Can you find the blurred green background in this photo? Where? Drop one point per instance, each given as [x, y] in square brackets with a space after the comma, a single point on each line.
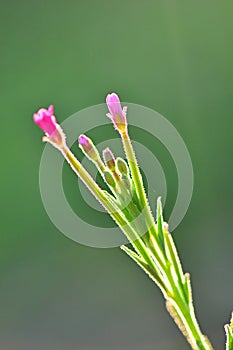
[173, 56]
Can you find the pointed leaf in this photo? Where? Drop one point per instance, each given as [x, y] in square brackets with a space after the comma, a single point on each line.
[159, 218]
[146, 268]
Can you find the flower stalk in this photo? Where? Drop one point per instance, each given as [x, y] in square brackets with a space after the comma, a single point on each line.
[153, 246]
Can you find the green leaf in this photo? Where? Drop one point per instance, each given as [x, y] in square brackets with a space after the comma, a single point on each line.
[229, 334]
[173, 257]
[135, 197]
[188, 289]
[146, 268]
[159, 218]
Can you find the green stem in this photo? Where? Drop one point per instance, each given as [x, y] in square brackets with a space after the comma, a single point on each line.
[180, 306]
[180, 303]
[185, 318]
[137, 180]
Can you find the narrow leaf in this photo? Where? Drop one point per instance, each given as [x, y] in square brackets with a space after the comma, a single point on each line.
[146, 268]
[172, 255]
[229, 334]
[159, 218]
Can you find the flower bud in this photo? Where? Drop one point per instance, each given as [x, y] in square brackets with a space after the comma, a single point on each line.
[109, 179]
[88, 148]
[116, 113]
[109, 159]
[122, 166]
[46, 120]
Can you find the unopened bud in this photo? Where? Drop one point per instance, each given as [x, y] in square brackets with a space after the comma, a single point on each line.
[88, 148]
[122, 166]
[109, 159]
[116, 113]
[109, 179]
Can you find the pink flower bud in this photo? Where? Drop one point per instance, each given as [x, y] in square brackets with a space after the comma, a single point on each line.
[84, 142]
[117, 114]
[87, 146]
[45, 119]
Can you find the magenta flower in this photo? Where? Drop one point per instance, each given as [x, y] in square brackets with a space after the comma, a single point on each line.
[117, 113]
[84, 142]
[45, 119]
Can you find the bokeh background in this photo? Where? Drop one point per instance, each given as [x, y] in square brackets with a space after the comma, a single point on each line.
[173, 56]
